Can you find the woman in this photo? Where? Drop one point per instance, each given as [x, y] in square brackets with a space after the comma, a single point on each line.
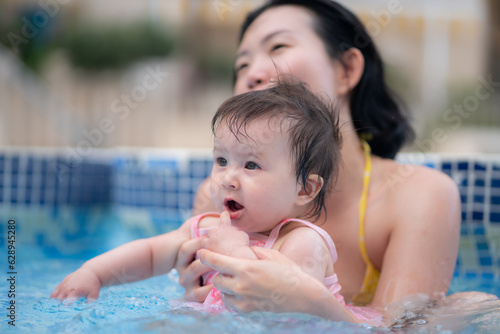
[396, 228]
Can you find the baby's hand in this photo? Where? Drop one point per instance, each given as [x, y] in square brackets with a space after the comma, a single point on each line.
[226, 239]
[82, 283]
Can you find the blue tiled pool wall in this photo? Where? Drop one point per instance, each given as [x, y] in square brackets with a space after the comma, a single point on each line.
[38, 180]
[65, 205]
[69, 206]
[162, 186]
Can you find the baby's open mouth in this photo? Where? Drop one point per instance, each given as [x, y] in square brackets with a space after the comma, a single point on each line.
[232, 205]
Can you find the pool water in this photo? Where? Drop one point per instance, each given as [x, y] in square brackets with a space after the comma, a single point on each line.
[137, 307]
[152, 306]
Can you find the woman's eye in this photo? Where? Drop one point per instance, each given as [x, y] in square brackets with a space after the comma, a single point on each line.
[251, 165]
[221, 162]
[277, 46]
[240, 67]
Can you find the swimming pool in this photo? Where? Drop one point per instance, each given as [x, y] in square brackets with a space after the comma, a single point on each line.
[64, 211]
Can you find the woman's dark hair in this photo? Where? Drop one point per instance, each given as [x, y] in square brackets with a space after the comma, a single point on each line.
[310, 123]
[376, 114]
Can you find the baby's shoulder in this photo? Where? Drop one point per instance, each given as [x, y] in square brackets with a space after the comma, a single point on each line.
[300, 235]
[304, 244]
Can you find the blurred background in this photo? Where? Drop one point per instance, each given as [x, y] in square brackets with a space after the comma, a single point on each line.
[94, 74]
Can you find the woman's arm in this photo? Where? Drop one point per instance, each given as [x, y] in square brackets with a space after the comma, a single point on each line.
[422, 250]
[133, 261]
[272, 284]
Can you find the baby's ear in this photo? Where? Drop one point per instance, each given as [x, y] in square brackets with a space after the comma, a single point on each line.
[309, 190]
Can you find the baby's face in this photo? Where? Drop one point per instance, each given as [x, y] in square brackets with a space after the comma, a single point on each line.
[253, 176]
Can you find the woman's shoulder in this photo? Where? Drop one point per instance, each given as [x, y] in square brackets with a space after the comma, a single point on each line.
[410, 179]
[415, 204]
[411, 191]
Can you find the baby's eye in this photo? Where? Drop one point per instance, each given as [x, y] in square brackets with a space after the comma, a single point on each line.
[251, 165]
[221, 162]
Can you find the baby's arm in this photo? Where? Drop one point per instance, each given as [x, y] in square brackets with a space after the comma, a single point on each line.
[306, 247]
[133, 261]
[228, 240]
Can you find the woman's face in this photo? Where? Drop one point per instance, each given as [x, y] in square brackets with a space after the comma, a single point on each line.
[282, 40]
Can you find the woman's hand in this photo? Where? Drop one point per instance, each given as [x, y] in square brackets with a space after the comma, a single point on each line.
[191, 269]
[272, 284]
[83, 283]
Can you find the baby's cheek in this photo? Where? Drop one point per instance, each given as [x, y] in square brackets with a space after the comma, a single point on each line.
[215, 191]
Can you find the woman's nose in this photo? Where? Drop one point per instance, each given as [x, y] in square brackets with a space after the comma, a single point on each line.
[257, 82]
[259, 75]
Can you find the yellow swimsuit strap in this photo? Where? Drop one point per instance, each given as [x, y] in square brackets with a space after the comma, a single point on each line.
[365, 296]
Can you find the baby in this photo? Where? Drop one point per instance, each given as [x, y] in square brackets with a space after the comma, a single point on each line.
[276, 152]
